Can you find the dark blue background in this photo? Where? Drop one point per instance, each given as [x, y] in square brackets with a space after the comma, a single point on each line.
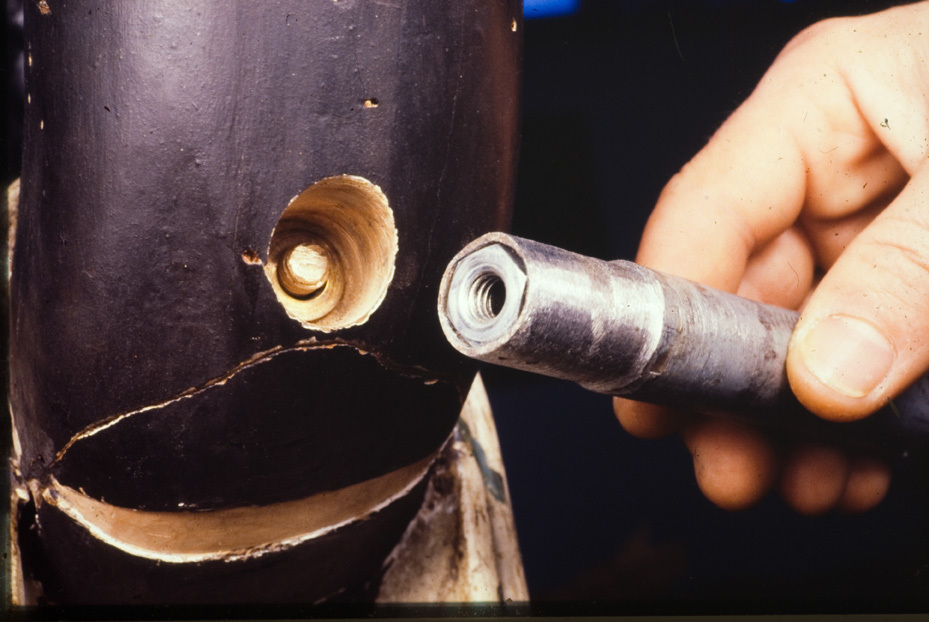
[617, 97]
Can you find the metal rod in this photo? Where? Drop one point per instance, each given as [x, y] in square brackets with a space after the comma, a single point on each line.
[619, 328]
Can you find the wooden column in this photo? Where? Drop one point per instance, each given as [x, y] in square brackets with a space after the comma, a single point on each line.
[182, 435]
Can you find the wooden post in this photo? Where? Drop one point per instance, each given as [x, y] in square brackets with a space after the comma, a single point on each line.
[182, 435]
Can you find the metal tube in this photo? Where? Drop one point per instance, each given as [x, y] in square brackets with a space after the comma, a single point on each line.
[619, 328]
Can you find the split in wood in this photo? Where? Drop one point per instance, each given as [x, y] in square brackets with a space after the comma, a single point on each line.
[229, 534]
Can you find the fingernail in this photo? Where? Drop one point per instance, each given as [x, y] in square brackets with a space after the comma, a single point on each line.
[847, 354]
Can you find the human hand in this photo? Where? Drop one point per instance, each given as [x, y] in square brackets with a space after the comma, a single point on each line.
[823, 171]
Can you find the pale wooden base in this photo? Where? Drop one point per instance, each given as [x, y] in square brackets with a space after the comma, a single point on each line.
[462, 546]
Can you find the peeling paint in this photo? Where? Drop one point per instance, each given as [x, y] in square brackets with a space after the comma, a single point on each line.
[493, 480]
[251, 258]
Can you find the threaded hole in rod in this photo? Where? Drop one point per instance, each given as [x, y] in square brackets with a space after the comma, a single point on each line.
[488, 295]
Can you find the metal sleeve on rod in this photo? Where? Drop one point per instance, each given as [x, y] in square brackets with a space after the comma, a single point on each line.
[616, 327]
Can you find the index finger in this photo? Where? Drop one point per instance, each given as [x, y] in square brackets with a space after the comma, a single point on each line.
[745, 187]
[798, 145]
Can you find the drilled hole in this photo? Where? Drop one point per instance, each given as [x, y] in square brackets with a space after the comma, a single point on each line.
[332, 253]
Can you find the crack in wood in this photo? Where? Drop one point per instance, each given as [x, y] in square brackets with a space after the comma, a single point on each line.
[232, 534]
[260, 358]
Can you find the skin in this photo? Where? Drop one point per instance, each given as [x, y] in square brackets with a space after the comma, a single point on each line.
[813, 195]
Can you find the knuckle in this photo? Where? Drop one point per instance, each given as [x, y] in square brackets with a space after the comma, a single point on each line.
[905, 275]
[821, 34]
[906, 235]
[901, 259]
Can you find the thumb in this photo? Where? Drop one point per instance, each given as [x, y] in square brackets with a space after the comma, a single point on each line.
[863, 337]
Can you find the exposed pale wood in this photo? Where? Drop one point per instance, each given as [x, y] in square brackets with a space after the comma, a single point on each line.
[462, 546]
[304, 270]
[14, 567]
[20, 592]
[229, 533]
[479, 416]
[12, 211]
[348, 221]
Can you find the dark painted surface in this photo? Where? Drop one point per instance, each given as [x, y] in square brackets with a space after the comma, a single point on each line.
[162, 141]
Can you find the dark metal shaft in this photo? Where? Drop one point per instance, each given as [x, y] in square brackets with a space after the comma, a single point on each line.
[619, 328]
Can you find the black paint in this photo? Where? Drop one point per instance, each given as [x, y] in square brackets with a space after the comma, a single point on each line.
[162, 141]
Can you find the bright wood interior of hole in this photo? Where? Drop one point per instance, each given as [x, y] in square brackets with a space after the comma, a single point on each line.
[304, 269]
[343, 228]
